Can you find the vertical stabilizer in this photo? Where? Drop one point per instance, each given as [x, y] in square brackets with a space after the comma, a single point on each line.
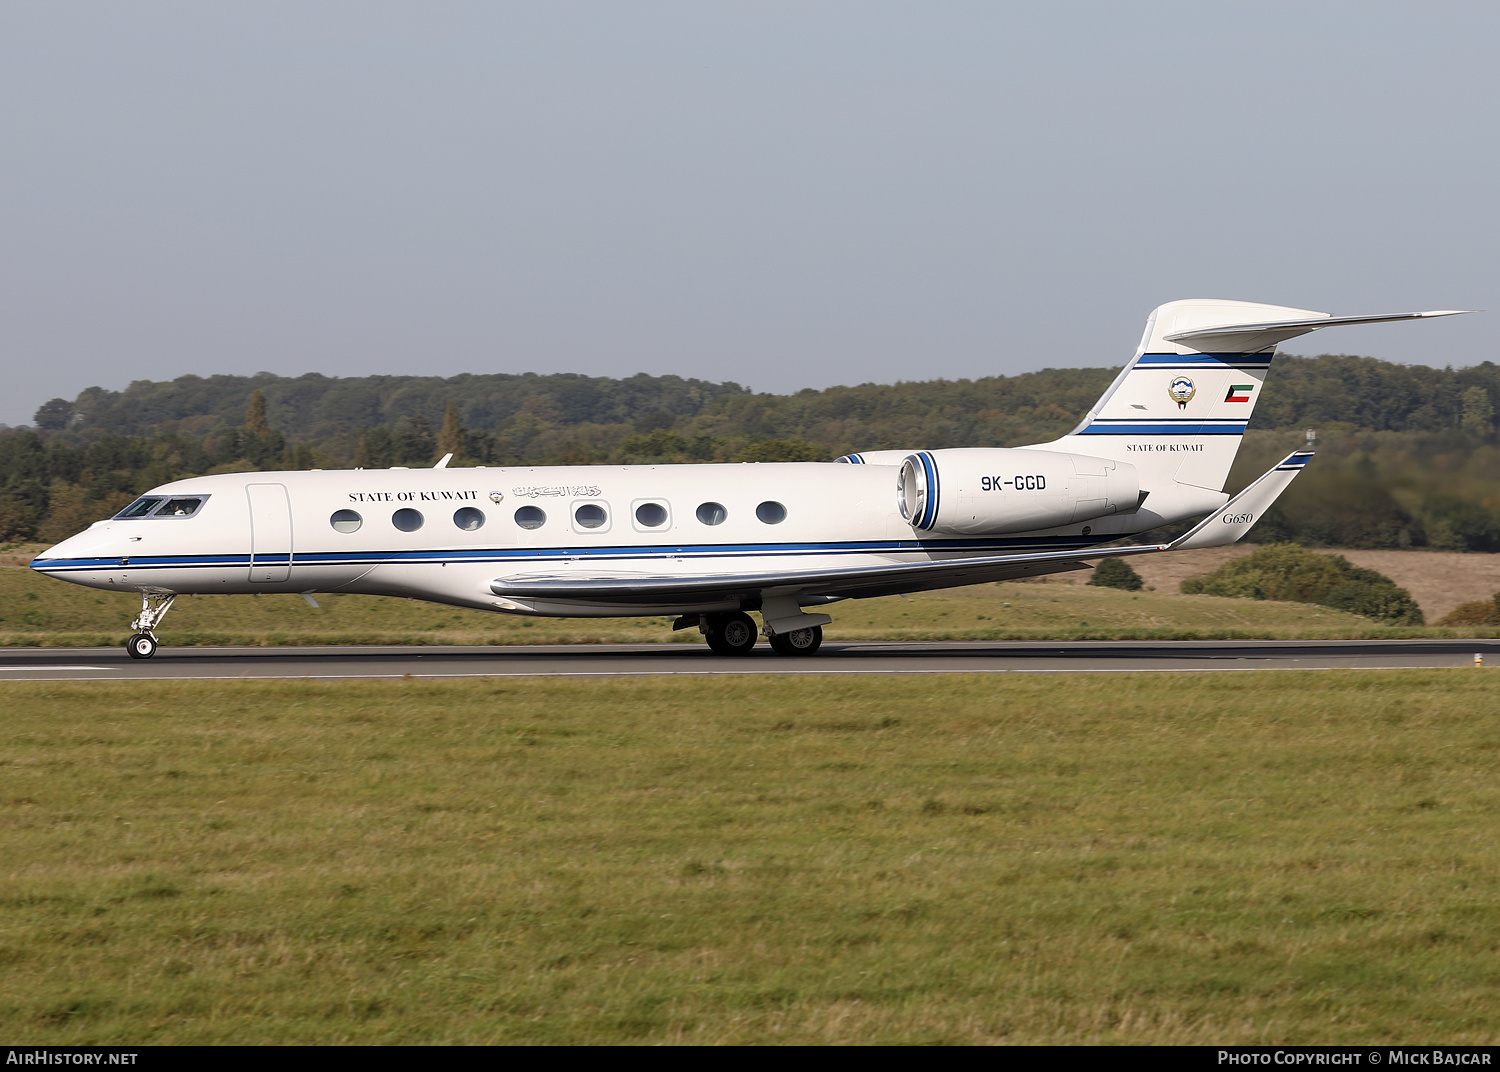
[1178, 411]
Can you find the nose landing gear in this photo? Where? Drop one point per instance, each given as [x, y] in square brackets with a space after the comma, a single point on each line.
[154, 607]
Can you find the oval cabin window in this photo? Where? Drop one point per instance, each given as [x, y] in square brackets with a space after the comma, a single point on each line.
[772, 513]
[407, 520]
[589, 516]
[651, 515]
[469, 519]
[712, 513]
[345, 521]
[531, 517]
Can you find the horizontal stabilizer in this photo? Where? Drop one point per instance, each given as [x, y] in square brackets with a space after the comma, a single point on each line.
[1253, 337]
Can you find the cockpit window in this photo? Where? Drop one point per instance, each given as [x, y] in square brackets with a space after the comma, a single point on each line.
[140, 508]
[156, 507]
[179, 508]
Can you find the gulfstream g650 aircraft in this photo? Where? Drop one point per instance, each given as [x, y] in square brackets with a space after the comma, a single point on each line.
[710, 542]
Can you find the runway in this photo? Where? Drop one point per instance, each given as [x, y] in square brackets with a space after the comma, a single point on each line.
[621, 660]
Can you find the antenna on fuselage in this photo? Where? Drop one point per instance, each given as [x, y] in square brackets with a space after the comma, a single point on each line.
[444, 460]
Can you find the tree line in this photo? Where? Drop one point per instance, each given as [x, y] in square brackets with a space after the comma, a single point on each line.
[1409, 451]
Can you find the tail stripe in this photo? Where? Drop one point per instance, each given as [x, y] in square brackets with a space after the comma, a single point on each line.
[1236, 361]
[1163, 426]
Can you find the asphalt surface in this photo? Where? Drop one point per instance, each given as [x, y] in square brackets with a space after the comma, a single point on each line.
[866, 657]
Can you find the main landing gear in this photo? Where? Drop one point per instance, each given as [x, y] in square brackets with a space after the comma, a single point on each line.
[798, 641]
[735, 634]
[730, 634]
[154, 607]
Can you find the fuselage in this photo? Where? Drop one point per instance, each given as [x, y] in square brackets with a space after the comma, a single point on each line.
[445, 535]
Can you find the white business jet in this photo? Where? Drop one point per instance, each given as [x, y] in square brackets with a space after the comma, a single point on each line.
[707, 543]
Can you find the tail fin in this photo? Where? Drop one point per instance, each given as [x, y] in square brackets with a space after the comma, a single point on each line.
[1179, 409]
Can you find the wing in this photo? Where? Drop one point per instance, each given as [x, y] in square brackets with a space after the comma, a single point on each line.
[846, 582]
[1223, 526]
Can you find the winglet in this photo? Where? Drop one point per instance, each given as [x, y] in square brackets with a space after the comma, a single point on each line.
[1236, 517]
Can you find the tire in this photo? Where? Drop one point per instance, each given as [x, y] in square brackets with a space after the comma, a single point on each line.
[732, 634]
[141, 646]
[798, 641]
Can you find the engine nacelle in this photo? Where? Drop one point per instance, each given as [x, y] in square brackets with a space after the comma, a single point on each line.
[981, 490]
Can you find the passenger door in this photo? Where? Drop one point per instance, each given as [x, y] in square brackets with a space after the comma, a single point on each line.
[270, 532]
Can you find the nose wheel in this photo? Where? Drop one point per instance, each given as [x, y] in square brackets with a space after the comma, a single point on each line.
[141, 646]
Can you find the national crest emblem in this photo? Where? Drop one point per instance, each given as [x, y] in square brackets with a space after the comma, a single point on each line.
[1182, 391]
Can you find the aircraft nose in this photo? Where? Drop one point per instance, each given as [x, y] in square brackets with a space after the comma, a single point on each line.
[93, 542]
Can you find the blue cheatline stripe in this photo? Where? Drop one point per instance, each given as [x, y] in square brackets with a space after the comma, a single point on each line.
[852, 459]
[1164, 427]
[1240, 361]
[526, 556]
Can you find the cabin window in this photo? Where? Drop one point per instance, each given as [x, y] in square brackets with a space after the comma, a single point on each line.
[712, 513]
[407, 520]
[651, 515]
[140, 508]
[772, 513]
[590, 516]
[469, 519]
[531, 517]
[345, 521]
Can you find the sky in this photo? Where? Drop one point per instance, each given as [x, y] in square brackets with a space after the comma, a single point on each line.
[786, 195]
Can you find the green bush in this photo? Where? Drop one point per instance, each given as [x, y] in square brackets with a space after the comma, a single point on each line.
[1478, 612]
[1116, 573]
[1294, 574]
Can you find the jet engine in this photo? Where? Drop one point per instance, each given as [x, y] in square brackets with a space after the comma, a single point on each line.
[981, 490]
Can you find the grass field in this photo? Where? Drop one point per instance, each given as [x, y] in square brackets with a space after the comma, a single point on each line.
[1198, 858]
[41, 611]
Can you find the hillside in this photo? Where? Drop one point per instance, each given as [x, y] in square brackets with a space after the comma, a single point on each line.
[1352, 392]
[1408, 453]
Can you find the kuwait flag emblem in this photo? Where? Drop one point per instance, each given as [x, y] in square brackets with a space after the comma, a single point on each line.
[1240, 392]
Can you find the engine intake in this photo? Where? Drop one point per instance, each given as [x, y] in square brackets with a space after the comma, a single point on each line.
[980, 490]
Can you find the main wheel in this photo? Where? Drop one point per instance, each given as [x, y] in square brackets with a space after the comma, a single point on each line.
[141, 646]
[798, 641]
[732, 634]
